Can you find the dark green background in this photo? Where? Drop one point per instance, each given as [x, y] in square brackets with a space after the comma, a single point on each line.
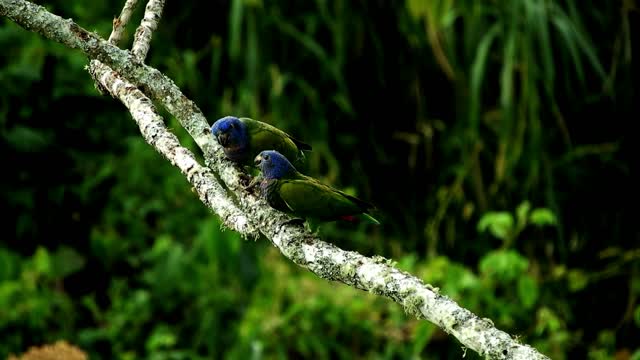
[495, 137]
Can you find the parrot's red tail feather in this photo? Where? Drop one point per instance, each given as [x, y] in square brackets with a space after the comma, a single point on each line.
[349, 218]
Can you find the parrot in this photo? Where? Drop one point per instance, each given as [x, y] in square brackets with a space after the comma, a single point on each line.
[243, 138]
[287, 190]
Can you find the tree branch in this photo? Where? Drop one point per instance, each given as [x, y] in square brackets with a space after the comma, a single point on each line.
[375, 274]
[121, 21]
[154, 131]
[149, 24]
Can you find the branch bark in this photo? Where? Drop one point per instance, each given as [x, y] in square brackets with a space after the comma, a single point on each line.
[154, 131]
[374, 274]
[121, 21]
[142, 39]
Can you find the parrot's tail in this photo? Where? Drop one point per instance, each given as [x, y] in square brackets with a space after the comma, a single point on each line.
[356, 218]
[371, 219]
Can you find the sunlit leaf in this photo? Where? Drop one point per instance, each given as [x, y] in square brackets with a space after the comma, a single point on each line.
[42, 261]
[522, 211]
[162, 337]
[500, 224]
[576, 280]
[542, 216]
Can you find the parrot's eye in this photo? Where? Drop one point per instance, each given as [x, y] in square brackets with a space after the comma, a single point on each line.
[266, 157]
[233, 126]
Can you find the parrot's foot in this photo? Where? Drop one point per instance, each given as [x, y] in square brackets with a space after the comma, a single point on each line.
[245, 180]
[254, 181]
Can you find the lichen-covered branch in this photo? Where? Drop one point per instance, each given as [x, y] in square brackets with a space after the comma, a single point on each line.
[121, 21]
[149, 24]
[155, 132]
[326, 260]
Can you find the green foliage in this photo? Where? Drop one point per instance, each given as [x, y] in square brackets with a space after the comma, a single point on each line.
[445, 114]
[506, 227]
[500, 224]
[542, 217]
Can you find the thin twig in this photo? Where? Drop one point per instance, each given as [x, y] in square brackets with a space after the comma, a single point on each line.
[121, 21]
[142, 38]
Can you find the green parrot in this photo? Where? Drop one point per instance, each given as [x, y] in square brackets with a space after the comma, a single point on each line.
[288, 190]
[243, 138]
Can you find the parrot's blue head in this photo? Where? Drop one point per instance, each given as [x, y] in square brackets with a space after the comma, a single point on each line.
[273, 165]
[231, 133]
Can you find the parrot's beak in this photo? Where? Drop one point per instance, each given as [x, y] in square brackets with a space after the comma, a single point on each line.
[257, 160]
[223, 139]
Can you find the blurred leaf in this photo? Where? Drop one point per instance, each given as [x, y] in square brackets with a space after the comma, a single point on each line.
[418, 9]
[235, 28]
[575, 41]
[162, 337]
[500, 224]
[343, 102]
[453, 278]
[635, 279]
[8, 290]
[308, 42]
[589, 51]
[478, 70]
[576, 280]
[42, 261]
[604, 346]
[105, 172]
[503, 265]
[528, 291]
[66, 261]
[26, 139]
[540, 19]
[542, 216]
[522, 212]
[507, 73]
[9, 265]
[547, 321]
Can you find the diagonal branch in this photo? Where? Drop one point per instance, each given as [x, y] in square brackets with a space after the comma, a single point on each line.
[326, 260]
[119, 24]
[121, 21]
[149, 24]
[155, 133]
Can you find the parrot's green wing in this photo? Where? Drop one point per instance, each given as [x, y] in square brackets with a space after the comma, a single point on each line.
[277, 132]
[307, 197]
[301, 145]
[267, 137]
